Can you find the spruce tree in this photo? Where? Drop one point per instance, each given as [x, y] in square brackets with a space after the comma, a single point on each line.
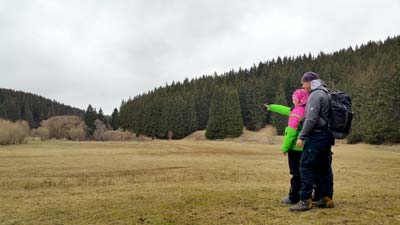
[101, 117]
[166, 117]
[191, 115]
[279, 121]
[28, 115]
[115, 119]
[253, 112]
[202, 97]
[234, 119]
[13, 111]
[216, 129]
[179, 124]
[89, 118]
[3, 113]
[225, 118]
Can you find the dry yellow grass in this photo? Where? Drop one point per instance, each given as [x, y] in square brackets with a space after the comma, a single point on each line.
[186, 182]
[266, 135]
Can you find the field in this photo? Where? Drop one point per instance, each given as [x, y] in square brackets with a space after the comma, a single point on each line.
[186, 182]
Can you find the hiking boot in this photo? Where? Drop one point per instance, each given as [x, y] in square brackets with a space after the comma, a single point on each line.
[325, 202]
[303, 205]
[315, 200]
[288, 201]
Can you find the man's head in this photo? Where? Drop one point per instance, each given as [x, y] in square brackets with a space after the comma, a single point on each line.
[306, 80]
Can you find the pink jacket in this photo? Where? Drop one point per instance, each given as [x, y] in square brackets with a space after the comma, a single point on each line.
[296, 115]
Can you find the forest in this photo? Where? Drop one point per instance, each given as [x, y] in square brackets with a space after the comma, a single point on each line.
[369, 73]
[222, 104]
[18, 105]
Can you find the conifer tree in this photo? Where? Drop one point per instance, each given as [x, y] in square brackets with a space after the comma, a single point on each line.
[202, 97]
[224, 117]
[234, 119]
[13, 111]
[279, 121]
[216, 129]
[115, 119]
[89, 118]
[101, 116]
[27, 115]
[3, 113]
[191, 115]
[252, 107]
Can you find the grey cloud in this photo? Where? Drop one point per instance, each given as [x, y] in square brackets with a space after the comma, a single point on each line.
[99, 52]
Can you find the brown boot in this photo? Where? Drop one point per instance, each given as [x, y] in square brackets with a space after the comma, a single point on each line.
[303, 205]
[325, 202]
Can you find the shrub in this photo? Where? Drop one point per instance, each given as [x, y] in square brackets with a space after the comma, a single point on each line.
[77, 133]
[41, 132]
[13, 132]
[100, 128]
[117, 135]
[65, 127]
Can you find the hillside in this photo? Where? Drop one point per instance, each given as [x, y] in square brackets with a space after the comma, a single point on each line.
[18, 105]
[369, 73]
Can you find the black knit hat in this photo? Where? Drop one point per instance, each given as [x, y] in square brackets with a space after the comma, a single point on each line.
[309, 76]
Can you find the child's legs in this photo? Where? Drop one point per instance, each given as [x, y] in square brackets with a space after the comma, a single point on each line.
[295, 182]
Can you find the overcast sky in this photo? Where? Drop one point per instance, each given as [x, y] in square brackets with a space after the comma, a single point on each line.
[100, 52]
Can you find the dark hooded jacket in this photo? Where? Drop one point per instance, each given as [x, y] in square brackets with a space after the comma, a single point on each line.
[317, 110]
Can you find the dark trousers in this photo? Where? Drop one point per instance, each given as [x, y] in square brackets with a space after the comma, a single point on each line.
[295, 182]
[317, 193]
[316, 165]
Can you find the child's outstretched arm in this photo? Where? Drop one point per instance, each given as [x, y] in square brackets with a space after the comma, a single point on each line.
[281, 109]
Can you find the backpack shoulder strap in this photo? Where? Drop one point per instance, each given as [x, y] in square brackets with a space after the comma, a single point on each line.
[328, 92]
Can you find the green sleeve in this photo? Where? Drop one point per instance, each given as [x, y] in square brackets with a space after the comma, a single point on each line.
[284, 110]
[290, 139]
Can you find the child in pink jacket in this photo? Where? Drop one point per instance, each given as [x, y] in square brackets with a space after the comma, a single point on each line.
[296, 116]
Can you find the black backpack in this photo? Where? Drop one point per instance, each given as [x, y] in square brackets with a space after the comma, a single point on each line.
[340, 114]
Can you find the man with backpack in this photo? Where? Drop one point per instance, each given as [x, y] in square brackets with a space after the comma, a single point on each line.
[317, 138]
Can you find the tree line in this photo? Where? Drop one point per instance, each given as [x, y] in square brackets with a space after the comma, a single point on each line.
[369, 73]
[34, 109]
[91, 115]
[18, 105]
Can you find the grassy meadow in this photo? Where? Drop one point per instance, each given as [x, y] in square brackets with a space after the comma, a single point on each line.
[186, 182]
